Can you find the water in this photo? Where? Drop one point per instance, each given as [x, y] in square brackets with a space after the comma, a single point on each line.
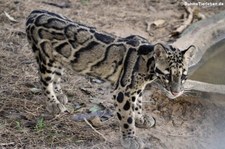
[211, 68]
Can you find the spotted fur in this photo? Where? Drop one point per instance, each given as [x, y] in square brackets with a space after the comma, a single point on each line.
[128, 63]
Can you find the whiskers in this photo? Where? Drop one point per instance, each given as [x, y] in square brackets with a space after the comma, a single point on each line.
[160, 85]
[187, 92]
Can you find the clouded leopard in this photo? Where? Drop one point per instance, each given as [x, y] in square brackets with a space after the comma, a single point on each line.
[129, 63]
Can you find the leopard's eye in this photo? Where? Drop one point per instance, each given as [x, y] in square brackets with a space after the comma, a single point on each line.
[167, 78]
[183, 77]
[167, 81]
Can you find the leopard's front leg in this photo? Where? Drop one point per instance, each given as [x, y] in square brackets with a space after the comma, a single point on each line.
[126, 115]
[141, 120]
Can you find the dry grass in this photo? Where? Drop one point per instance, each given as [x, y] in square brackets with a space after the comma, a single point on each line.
[22, 110]
[24, 120]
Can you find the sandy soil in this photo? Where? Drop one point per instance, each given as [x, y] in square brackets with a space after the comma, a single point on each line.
[188, 122]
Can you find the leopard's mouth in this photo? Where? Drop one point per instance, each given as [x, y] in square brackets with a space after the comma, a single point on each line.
[167, 91]
[173, 95]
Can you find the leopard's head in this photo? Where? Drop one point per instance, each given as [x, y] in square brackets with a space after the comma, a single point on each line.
[171, 68]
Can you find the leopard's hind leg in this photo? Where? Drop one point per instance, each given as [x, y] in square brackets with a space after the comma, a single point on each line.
[49, 75]
[57, 87]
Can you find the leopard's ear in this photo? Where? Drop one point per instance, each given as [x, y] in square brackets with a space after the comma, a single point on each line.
[189, 53]
[160, 51]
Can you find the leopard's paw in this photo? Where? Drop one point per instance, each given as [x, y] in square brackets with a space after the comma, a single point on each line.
[145, 122]
[62, 98]
[131, 143]
[56, 108]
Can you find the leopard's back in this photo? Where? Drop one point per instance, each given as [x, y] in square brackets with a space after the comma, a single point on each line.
[55, 38]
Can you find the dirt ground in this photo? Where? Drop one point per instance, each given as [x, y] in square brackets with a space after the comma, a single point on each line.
[184, 123]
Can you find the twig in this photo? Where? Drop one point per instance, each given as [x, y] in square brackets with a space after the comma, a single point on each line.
[61, 5]
[148, 29]
[10, 17]
[7, 144]
[186, 22]
[95, 129]
[148, 26]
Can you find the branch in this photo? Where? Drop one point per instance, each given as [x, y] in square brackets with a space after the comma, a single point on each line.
[186, 23]
[95, 129]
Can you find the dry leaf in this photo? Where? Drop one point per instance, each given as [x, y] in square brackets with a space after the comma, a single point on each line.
[10, 17]
[96, 121]
[158, 23]
[35, 90]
